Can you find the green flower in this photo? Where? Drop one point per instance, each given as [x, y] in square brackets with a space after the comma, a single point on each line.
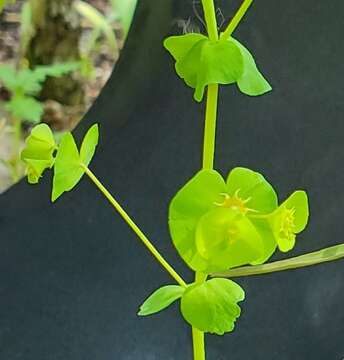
[290, 219]
[209, 219]
[38, 152]
[201, 62]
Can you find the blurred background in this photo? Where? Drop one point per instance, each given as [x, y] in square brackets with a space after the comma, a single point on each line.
[55, 57]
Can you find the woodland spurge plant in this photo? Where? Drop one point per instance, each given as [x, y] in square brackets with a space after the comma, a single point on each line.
[217, 224]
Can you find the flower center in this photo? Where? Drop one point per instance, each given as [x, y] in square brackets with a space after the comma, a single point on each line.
[235, 202]
[287, 225]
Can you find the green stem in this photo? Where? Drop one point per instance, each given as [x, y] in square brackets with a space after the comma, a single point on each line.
[210, 127]
[198, 335]
[208, 151]
[325, 255]
[210, 19]
[135, 228]
[198, 344]
[236, 19]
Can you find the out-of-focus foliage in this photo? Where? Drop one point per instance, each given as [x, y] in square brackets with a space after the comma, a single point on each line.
[25, 84]
[3, 3]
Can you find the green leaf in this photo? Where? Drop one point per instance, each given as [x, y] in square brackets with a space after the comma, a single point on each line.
[226, 238]
[38, 152]
[196, 198]
[89, 144]
[257, 195]
[68, 168]
[290, 219]
[161, 299]
[8, 76]
[41, 72]
[29, 82]
[251, 82]
[212, 306]
[25, 108]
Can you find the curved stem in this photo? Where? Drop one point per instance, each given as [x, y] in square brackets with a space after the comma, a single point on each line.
[135, 228]
[317, 257]
[236, 19]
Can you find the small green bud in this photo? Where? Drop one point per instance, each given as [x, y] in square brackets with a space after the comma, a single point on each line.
[38, 152]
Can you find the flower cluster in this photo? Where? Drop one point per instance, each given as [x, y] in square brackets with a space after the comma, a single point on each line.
[217, 225]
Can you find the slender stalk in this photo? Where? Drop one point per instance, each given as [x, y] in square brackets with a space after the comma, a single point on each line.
[210, 19]
[236, 19]
[198, 344]
[135, 228]
[198, 335]
[328, 254]
[210, 127]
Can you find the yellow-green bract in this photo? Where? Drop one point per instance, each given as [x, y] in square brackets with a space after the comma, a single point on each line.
[217, 225]
[201, 62]
[69, 163]
[38, 152]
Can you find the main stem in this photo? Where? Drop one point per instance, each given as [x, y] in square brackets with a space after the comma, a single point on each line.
[135, 228]
[208, 151]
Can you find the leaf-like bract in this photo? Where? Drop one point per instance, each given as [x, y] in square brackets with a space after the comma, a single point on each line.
[196, 198]
[161, 299]
[210, 220]
[201, 62]
[69, 164]
[212, 306]
[251, 82]
[252, 187]
[226, 238]
[88, 146]
[38, 152]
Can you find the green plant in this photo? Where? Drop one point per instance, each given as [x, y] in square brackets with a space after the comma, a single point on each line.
[221, 228]
[23, 86]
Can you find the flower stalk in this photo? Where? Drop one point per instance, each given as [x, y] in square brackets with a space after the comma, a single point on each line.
[135, 228]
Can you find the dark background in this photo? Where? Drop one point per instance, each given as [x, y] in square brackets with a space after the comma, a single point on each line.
[72, 274]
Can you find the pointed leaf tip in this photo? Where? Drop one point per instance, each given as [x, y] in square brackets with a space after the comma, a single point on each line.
[161, 299]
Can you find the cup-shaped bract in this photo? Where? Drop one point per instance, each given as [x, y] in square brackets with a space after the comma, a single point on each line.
[70, 164]
[205, 212]
[201, 62]
[226, 238]
[290, 219]
[38, 153]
